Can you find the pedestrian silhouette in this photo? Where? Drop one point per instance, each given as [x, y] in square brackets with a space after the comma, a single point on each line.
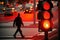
[18, 22]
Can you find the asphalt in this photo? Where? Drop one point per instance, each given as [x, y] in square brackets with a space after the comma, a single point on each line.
[29, 33]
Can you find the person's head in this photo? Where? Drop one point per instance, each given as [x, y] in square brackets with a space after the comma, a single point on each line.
[18, 14]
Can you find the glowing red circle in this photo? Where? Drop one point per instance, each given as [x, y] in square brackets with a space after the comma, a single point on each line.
[46, 6]
[46, 15]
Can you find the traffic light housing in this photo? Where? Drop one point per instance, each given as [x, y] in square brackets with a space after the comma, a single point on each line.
[46, 23]
[39, 5]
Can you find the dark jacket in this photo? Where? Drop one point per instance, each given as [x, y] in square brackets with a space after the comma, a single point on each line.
[18, 21]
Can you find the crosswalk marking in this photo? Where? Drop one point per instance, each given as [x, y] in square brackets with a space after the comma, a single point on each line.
[17, 37]
[11, 23]
[27, 36]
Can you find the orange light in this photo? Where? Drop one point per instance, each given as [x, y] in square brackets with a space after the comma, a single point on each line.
[3, 9]
[1, 2]
[27, 10]
[46, 15]
[46, 6]
[27, 17]
[46, 24]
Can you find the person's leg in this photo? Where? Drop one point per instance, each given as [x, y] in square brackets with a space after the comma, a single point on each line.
[21, 33]
[38, 26]
[15, 33]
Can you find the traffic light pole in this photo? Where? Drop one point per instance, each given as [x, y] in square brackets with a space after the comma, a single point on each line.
[34, 11]
[46, 35]
[59, 20]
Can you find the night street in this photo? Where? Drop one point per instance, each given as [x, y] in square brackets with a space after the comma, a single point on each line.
[29, 33]
[37, 19]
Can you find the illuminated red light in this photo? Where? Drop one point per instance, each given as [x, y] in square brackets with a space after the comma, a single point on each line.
[46, 6]
[46, 15]
[46, 24]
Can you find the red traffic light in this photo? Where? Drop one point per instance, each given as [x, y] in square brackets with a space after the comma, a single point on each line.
[46, 6]
[46, 24]
[46, 15]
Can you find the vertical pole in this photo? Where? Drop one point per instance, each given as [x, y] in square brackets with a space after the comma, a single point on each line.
[34, 11]
[46, 35]
[59, 20]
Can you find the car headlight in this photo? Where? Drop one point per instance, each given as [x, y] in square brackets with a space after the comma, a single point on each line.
[13, 8]
[27, 10]
[20, 8]
[3, 9]
[31, 7]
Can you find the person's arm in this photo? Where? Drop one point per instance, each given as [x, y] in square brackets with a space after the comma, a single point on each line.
[14, 23]
[22, 23]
